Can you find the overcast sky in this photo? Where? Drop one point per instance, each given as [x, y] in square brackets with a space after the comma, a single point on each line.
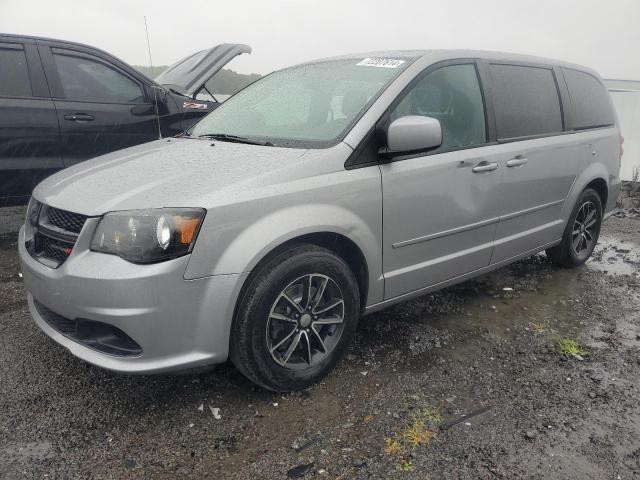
[602, 34]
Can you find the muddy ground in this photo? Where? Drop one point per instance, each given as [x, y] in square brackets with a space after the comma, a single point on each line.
[488, 347]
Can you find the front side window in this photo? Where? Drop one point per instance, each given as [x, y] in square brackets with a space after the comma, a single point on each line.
[311, 106]
[14, 73]
[93, 81]
[525, 100]
[452, 95]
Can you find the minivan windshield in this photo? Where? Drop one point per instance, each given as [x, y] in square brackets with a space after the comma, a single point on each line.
[309, 106]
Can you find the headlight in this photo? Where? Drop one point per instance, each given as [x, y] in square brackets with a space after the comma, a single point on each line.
[148, 236]
[33, 210]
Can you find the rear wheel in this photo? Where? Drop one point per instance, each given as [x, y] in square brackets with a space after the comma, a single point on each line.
[295, 319]
[581, 233]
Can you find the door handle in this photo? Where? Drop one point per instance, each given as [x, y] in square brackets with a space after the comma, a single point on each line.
[79, 117]
[516, 162]
[484, 167]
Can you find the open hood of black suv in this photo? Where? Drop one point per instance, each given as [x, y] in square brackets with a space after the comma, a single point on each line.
[188, 75]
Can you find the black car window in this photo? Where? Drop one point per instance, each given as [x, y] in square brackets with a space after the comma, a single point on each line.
[93, 81]
[452, 95]
[526, 101]
[590, 105]
[14, 73]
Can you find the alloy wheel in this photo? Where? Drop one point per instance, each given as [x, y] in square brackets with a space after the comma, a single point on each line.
[305, 322]
[585, 229]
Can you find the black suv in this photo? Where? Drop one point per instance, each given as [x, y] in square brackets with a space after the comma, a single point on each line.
[63, 102]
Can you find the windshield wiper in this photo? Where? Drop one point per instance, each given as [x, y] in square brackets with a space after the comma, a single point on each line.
[235, 139]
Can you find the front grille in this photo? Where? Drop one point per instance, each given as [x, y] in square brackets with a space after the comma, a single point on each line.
[64, 220]
[51, 248]
[55, 233]
[98, 336]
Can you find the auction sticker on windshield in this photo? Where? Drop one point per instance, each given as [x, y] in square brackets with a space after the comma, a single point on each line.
[381, 62]
[197, 106]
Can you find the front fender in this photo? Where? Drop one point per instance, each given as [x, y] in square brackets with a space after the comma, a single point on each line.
[236, 236]
[277, 228]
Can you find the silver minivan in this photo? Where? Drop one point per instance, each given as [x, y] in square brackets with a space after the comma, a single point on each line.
[320, 193]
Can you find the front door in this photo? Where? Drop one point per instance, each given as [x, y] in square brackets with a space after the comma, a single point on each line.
[440, 209]
[29, 133]
[100, 108]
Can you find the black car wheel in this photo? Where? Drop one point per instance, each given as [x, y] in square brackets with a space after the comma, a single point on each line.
[295, 319]
[581, 233]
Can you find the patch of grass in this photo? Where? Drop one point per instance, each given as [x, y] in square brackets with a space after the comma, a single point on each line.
[431, 414]
[404, 465]
[392, 446]
[570, 348]
[538, 327]
[418, 433]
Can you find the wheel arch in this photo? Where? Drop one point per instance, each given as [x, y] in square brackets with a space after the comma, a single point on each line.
[339, 244]
[594, 176]
[601, 188]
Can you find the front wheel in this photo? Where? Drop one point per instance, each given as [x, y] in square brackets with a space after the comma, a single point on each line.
[295, 319]
[581, 233]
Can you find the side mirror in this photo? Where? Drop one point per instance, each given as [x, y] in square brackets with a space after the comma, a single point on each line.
[413, 133]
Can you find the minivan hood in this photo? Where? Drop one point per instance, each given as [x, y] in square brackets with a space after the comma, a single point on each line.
[165, 173]
[189, 74]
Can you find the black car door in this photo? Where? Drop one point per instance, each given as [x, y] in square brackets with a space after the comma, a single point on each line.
[101, 107]
[29, 132]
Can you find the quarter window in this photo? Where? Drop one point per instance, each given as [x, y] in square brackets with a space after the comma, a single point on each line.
[590, 106]
[93, 81]
[14, 73]
[452, 95]
[526, 101]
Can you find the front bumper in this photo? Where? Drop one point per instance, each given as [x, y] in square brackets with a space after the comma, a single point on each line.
[179, 324]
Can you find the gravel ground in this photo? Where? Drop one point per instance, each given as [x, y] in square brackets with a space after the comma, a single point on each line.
[464, 383]
[11, 218]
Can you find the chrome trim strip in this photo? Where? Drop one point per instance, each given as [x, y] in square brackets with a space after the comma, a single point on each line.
[445, 233]
[515, 236]
[530, 210]
[628, 90]
[435, 261]
[473, 226]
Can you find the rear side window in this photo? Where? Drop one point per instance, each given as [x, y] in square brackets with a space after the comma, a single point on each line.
[14, 73]
[526, 101]
[590, 106]
[93, 81]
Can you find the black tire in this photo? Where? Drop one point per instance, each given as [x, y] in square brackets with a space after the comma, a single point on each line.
[253, 326]
[566, 254]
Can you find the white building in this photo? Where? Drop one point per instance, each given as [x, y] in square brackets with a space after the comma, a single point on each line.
[626, 97]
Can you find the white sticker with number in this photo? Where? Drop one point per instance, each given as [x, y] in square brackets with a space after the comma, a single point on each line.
[381, 62]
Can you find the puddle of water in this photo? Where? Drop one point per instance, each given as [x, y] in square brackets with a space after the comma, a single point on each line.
[529, 297]
[542, 308]
[628, 329]
[615, 257]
